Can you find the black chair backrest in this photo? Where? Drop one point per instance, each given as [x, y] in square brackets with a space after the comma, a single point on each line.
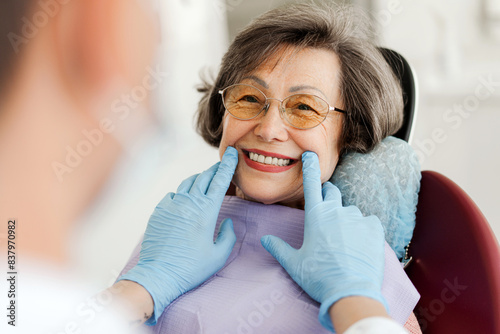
[404, 73]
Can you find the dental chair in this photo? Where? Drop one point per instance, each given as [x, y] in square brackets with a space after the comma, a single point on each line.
[455, 262]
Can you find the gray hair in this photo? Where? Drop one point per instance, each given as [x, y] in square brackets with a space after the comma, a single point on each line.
[370, 92]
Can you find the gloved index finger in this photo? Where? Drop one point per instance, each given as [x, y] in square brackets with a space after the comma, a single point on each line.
[224, 175]
[311, 175]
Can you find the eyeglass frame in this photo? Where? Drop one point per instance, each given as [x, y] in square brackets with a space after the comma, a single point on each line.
[281, 109]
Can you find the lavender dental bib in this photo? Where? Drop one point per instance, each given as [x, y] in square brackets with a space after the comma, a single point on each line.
[252, 293]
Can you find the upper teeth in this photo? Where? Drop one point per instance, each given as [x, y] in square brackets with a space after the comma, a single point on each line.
[269, 160]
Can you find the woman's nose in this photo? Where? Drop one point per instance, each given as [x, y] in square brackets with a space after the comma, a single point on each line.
[271, 126]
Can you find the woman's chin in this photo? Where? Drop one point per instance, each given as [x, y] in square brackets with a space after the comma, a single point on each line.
[270, 198]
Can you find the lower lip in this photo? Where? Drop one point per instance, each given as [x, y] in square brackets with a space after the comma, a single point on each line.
[266, 168]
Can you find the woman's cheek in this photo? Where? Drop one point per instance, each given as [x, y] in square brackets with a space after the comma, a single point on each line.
[222, 149]
[223, 142]
[329, 168]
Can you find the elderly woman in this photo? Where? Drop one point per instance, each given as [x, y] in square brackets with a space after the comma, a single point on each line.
[297, 79]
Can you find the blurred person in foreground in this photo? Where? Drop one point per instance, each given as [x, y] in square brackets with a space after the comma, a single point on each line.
[73, 76]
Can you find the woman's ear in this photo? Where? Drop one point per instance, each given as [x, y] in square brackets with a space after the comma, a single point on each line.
[106, 40]
[83, 34]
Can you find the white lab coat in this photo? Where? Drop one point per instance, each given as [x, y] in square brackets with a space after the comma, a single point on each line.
[376, 325]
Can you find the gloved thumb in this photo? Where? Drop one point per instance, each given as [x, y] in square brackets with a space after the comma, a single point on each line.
[278, 248]
[225, 238]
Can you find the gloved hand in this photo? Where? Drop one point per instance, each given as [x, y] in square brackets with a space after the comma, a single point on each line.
[178, 252]
[342, 253]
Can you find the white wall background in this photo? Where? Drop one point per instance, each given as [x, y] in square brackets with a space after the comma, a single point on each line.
[453, 45]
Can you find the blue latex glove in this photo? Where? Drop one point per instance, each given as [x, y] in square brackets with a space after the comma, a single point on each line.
[178, 252]
[342, 253]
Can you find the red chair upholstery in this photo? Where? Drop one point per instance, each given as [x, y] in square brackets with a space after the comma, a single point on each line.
[456, 262]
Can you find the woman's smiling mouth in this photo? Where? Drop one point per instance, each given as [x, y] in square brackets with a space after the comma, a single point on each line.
[267, 161]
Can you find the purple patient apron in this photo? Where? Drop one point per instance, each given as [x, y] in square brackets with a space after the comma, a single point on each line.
[252, 293]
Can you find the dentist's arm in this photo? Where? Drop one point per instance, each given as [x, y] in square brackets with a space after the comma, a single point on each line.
[362, 315]
[341, 261]
[178, 252]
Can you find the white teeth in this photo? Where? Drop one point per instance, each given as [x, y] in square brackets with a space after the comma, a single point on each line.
[268, 160]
